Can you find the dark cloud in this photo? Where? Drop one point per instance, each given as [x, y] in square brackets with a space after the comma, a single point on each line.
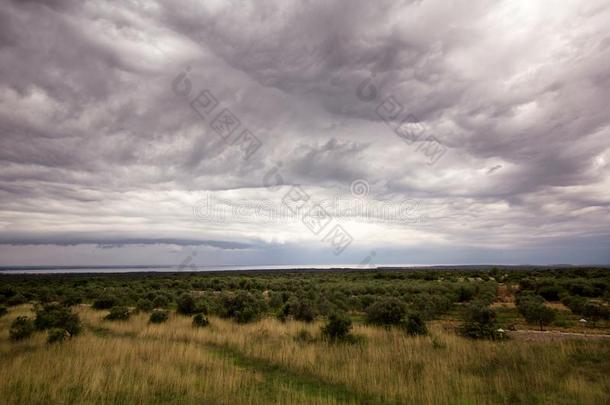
[63, 241]
[93, 141]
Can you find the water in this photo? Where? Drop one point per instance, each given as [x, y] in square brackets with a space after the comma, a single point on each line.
[164, 269]
[176, 269]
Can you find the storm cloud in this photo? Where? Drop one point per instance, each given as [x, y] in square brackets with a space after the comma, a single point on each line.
[101, 143]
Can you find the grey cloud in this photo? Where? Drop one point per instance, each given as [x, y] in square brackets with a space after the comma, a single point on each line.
[93, 138]
[105, 243]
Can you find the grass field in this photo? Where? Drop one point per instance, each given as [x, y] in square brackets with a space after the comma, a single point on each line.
[272, 362]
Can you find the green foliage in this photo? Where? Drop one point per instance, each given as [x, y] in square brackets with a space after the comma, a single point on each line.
[118, 313]
[595, 311]
[465, 293]
[200, 320]
[575, 303]
[300, 309]
[388, 311]
[104, 303]
[534, 311]
[303, 311]
[71, 299]
[186, 304]
[414, 325]
[337, 328]
[431, 306]
[550, 292]
[243, 307]
[299, 295]
[145, 305]
[57, 335]
[16, 299]
[158, 316]
[479, 322]
[54, 315]
[160, 301]
[21, 328]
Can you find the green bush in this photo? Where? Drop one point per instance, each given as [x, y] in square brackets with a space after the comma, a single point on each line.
[71, 299]
[158, 316]
[301, 310]
[200, 320]
[414, 325]
[595, 311]
[337, 328]
[17, 299]
[21, 328]
[243, 306]
[534, 311]
[104, 303]
[575, 303]
[57, 316]
[57, 335]
[465, 293]
[186, 304]
[145, 305]
[160, 301]
[118, 313]
[3, 311]
[480, 322]
[388, 311]
[431, 306]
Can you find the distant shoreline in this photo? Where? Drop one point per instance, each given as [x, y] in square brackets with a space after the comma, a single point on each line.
[44, 270]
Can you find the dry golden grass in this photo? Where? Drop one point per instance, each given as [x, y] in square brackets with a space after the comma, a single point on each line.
[262, 362]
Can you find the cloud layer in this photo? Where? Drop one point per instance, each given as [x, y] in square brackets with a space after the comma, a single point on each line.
[98, 149]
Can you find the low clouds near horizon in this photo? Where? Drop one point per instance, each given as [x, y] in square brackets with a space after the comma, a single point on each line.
[102, 162]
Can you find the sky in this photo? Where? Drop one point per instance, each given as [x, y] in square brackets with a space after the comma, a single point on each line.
[304, 132]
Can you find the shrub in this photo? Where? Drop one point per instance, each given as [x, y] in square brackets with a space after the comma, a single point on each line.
[17, 299]
[200, 320]
[283, 313]
[534, 311]
[479, 322]
[388, 311]
[158, 316]
[57, 316]
[550, 292]
[539, 314]
[185, 304]
[595, 311]
[57, 335]
[414, 325]
[160, 301]
[21, 328]
[465, 293]
[432, 306]
[301, 310]
[118, 313]
[145, 305]
[71, 299]
[243, 307]
[104, 303]
[3, 311]
[337, 327]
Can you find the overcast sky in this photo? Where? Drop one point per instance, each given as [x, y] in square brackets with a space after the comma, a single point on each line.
[304, 132]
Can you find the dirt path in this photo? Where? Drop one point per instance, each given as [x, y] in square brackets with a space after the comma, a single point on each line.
[536, 335]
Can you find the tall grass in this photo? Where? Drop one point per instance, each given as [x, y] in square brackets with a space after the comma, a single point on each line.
[263, 362]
